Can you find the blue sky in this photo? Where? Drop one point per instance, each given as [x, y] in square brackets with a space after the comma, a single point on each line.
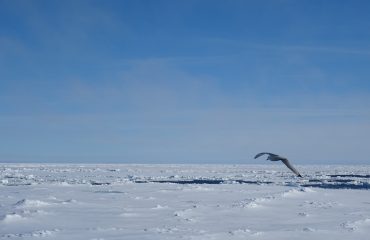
[184, 81]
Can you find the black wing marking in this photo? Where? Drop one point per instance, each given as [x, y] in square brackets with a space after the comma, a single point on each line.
[263, 153]
[287, 163]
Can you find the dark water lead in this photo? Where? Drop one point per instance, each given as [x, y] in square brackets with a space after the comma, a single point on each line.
[350, 175]
[95, 183]
[331, 180]
[317, 183]
[362, 186]
[205, 181]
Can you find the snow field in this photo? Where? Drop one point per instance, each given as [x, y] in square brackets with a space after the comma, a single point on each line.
[104, 204]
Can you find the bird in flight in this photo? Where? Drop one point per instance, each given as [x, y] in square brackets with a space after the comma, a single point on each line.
[275, 157]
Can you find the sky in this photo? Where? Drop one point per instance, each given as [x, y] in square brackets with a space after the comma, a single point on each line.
[206, 81]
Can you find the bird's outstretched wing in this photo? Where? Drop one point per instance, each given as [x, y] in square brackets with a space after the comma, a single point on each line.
[287, 163]
[263, 153]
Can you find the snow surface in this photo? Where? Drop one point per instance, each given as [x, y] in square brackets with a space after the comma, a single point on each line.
[183, 202]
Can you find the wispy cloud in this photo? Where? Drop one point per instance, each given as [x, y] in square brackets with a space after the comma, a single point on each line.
[302, 48]
[188, 136]
[125, 82]
[155, 111]
[313, 49]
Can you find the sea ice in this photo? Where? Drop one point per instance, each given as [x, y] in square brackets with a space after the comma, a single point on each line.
[183, 202]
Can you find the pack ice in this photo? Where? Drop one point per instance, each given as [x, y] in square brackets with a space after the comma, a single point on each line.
[92, 202]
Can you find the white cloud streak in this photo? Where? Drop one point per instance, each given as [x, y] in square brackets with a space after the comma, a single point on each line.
[156, 112]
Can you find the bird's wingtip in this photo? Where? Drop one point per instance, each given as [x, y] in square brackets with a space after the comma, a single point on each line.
[259, 155]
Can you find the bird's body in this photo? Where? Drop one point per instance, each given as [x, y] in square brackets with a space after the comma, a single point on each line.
[275, 157]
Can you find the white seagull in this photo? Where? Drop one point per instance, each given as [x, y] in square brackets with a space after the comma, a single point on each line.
[274, 157]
